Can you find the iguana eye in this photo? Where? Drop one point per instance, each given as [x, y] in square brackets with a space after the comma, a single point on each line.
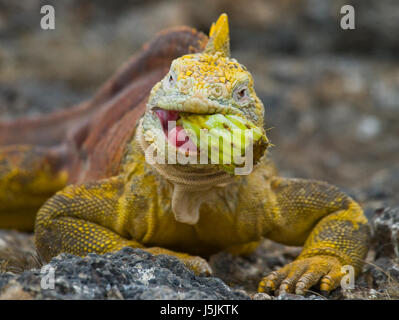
[241, 94]
[171, 79]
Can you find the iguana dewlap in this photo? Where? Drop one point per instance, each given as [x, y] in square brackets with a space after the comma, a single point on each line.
[112, 196]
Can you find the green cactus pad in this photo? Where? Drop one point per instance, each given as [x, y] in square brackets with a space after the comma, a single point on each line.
[224, 137]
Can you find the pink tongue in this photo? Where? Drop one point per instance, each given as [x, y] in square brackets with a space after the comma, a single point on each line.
[177, 136]
[165, 116]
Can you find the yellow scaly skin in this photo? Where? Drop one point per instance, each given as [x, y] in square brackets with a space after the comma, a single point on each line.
[135, 208]
[27, 173]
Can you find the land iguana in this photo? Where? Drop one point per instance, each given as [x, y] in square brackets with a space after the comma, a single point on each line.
[109, 195]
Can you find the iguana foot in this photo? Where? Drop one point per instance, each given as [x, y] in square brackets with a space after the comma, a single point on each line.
[198, 265]
[301, 274]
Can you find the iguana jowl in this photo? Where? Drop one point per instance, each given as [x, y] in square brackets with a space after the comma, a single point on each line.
[114, 198]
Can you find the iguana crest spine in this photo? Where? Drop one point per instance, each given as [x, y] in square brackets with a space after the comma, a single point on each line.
[219, 38]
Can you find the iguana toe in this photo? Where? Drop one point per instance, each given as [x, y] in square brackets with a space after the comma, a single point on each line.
[302, 274]
[198, 265]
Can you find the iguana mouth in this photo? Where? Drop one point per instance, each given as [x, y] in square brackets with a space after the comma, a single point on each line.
[197, 104]
[175, 133]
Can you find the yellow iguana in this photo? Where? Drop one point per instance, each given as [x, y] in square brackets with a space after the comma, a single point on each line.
[185, 210]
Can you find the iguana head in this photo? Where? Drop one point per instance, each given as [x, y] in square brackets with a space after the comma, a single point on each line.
[210, 85]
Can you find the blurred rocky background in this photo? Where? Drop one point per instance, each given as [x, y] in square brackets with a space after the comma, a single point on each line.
[331, 95]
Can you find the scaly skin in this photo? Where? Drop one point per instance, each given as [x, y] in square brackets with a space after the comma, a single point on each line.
[29, 173]
[135, 206]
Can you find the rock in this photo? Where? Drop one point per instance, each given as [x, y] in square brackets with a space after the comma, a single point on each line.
[14, 291]
[261, 296]
[290, 296]
[239, 272]
[127, 274]
[17, 251]
[383, 187]
[383, 269]
[5, 278]
[385, 226]
[245, 272]
[380, 280]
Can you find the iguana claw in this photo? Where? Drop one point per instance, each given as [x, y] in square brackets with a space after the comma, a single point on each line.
[304, 273]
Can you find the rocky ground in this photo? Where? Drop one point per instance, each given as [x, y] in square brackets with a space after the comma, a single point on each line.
[135, 274]
[332, 104]
[127, 274]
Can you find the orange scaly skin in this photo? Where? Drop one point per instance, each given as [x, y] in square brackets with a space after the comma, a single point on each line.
[131, 205]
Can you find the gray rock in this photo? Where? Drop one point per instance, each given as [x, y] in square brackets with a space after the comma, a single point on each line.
[290, 296]
[386, 232]
[261, 296]
[385, 269]
[17, 251]
[127, 274]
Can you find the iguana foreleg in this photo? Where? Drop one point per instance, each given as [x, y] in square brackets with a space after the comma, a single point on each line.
[329, 223]
[91, 218]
